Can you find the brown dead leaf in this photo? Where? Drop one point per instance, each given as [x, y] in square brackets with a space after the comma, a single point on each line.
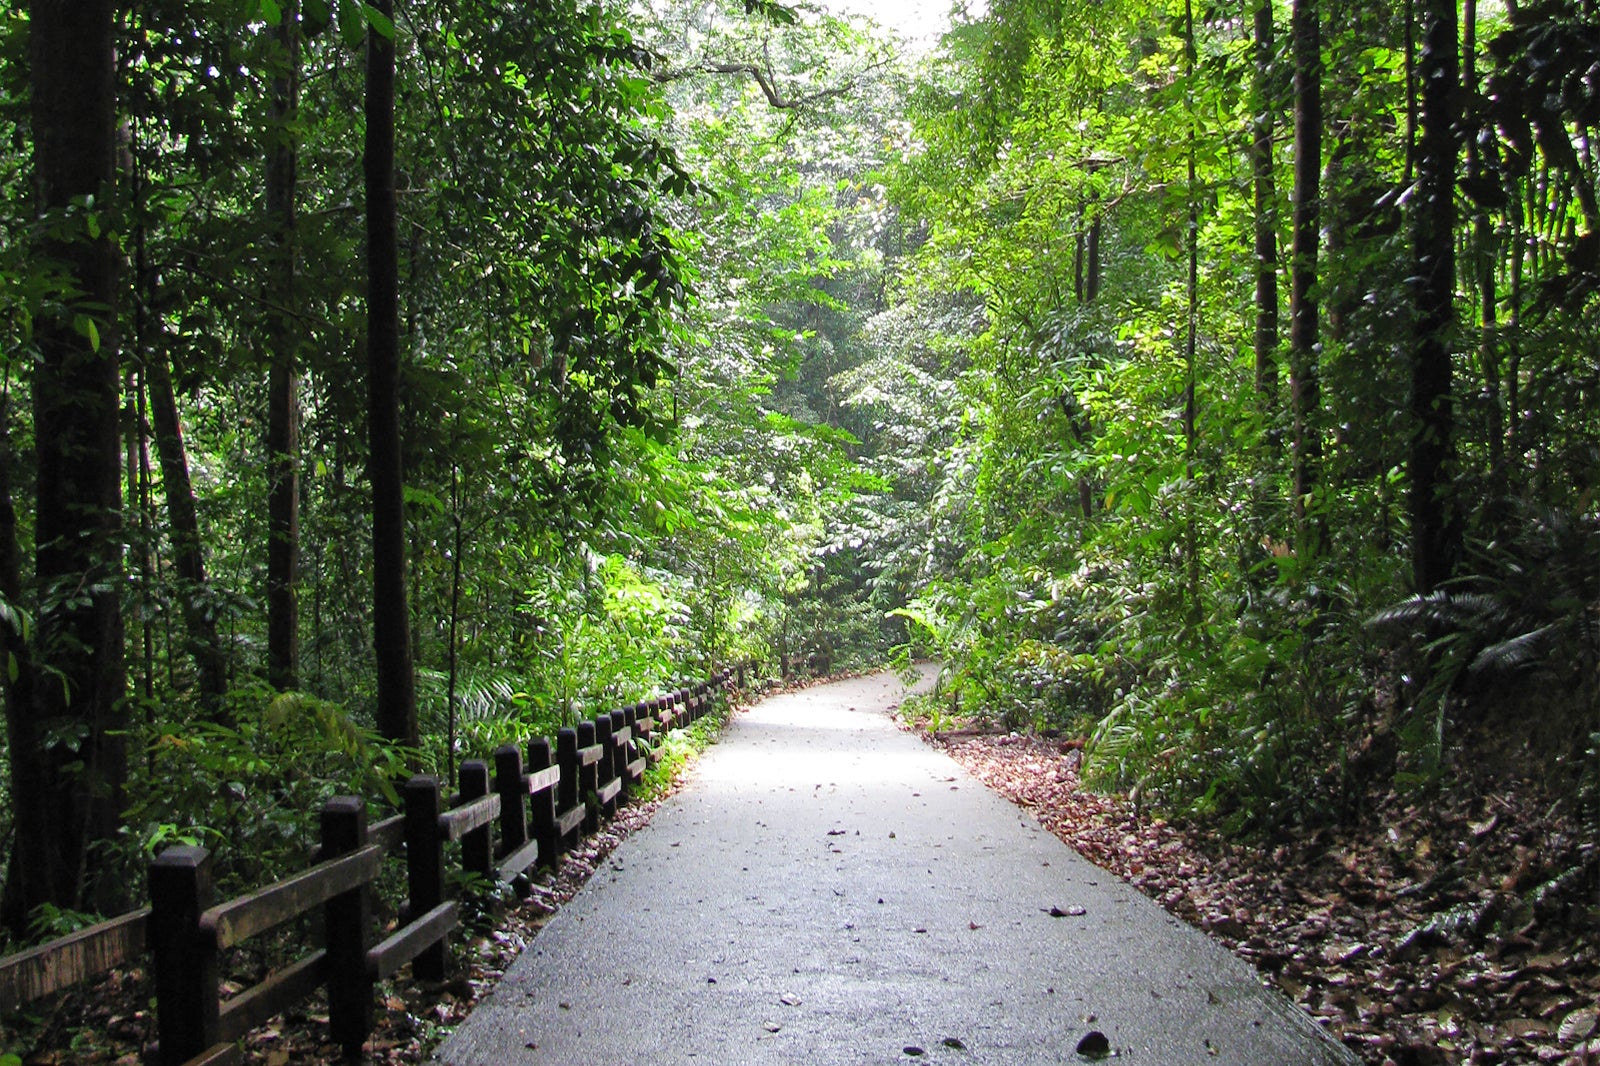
[1577, 1025]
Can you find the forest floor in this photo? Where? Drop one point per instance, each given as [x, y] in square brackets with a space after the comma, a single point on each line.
[1456, 928]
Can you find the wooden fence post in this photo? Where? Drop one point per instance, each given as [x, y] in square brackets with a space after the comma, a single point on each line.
[544, 803]
[589, 777]
[621, 754]
[424, 867]
[477, 846]
[572, 774]
[347, 916]
[510, 783]
[608, 750]
[185, 959]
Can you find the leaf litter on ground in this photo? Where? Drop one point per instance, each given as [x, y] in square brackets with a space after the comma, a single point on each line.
[1460, 929]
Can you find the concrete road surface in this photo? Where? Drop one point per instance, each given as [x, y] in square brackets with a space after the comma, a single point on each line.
[830, 890]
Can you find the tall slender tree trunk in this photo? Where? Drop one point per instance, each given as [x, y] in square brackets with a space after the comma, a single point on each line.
[283, 384]
[1191, 332]
[68, 760]
[1486, 245]
[188, 552]
[1090, 288]
[16, 673]
[1435, 531]
[1264, 103]
[1304, 381]
[397, 697]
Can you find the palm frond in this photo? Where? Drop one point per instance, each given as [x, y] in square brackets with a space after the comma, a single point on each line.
[1520, 650]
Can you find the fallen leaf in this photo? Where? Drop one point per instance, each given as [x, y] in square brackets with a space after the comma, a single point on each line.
[1577, 1025]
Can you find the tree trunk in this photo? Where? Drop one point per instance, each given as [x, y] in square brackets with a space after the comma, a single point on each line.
[205, 646]
[1082, 426]
[283, 385]
[397, 698]
[1435, 532]
[1265, 106]
[1191, 540]
[1304, 384]
[68, 761]
[1485, 241]
[17, 663]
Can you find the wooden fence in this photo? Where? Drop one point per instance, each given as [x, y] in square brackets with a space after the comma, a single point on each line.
[534, 804]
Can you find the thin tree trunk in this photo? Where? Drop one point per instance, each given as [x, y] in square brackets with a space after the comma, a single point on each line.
[397, 698]
[1435, 533]
[188, 554]
[1486, 248]
[283, 385]
[139, 545]
[1082, 426]
[1191, 334]
[1304, 382]
[68, 758]
[1265, 107]
[16, 662]
[455, 616]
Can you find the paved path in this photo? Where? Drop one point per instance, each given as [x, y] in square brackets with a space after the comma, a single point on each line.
[829, 890]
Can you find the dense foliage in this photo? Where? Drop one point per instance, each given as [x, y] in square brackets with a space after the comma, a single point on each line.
[1241, 565]
[729, 330]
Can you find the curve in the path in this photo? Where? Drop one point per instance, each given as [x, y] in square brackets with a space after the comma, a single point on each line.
[830, 890]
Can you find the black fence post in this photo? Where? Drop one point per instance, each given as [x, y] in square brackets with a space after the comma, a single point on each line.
[350, 1012]
[572, 774]
[544, 803]
[630, 719]
[512, 786]
[621, 754]
[185, 958]
[424, 867]
[477, 846]
[589, 777]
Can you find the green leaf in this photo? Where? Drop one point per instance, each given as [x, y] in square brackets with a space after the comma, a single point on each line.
[271, 13]
[380, 23]
[424, 498]
[85, 326]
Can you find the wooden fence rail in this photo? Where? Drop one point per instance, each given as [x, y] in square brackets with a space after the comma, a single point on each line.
[529, 810]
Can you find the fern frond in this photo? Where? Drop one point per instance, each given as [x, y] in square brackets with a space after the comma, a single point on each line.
[1458, 609]
[1520, 650]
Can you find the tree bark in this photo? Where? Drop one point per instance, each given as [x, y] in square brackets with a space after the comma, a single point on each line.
[1266, 216]
[283, 384]
[1191, 335]
[1082, 426]
[16, 662]
[68, 760]
[1435, 532]
[188, 553]
[1485, 241]
[1304, 381]
[397, 700]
